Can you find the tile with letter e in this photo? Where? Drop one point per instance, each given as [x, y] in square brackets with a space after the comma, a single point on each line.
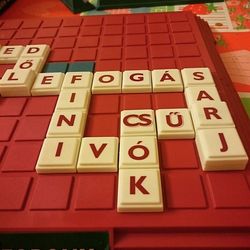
[167, 80]
[107, 82]
[136, 81]
[201, 94]
[10, 54]
[206, 115]
[77, 80]
[58, 155]
[67, 123]
[220, 149]
[139, 152]
[138, 122]
[174, 124]
[139, 191]
[196, 76]
[47, 84]
[75, 98]
[16, 82]
[98, 154]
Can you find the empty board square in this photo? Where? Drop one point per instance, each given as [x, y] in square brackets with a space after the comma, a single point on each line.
[22, 156]
[161, 63]
[13, 192]
[88, 41]
[168, 100]
[110, 53]
[184, 37]
[2, 151]
[168, 150]
[185, 50]
[60, 55]
[136, 101]
[25, 33]
[84, 54]
[68, 32]
[46, 32]
[107, 41]
[184, 190]
[82, 66]
[161, 51]
[135, 39]
[103, 190]
[7, 127]
[180, 27]
[136, 52]
[113, 30]
[157, 28]
[232, 192]
[55, 67]
[12, 106]
[51, 192]
[64, 42]
[156, 39]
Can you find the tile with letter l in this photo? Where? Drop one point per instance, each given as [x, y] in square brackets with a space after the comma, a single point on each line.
[10, 54]
[201, 94]
[107, 82]
[139, 191]
[98, 154]
[138, 122]
[77, 80]
[58, 155]
[207, 115]
[67, 123]
[196, 76]
[167, 80]
[47, 84]
[136, 81]
[174, 124]
[16, 82]
[139, 152]
[220, 149]
[75, 98]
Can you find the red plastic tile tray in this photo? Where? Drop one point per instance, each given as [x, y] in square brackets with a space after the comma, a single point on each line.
[202, 210]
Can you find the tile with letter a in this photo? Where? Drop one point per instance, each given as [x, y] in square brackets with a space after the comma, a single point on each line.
[139, 191]
[47, 84]
[16, 82]
[138, 122]
[136, 81]
[10, 54]
[76, 98]
[167, 80]
[107, 82]
[207, 115]
[197, 76]
[98, 154]
[220, 149]
[174, 124]
[139, 152]
[201, 94]
[67, 123]
[77, 80]
[58, 155]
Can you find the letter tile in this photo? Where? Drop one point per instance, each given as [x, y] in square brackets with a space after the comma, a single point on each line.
[67, 123]
[139, 191]
[75, 98]
[58, 155]
[138, 152]
[47, 84]
[98, 154]
[16, 82]
[107, 82]
[78, 80]
[36, 64]
[136, 81]
[10, 54]
[167, 80]
[174, 124]
[201, 94]
[138, 122]
[220, 149]
[38, 51]
[196, 76]
[211, 115]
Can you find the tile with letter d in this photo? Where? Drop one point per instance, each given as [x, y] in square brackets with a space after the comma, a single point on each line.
[138, 152]
[36, 51]
[139, 191]
[98, 154]
[58, 155]
[220, 149]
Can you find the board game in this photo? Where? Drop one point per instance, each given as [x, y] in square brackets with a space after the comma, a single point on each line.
[90, 164]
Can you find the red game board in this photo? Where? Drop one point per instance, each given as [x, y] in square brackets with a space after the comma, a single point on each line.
[202, 210]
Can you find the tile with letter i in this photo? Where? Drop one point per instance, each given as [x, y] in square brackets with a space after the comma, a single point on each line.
[98, 154]
[107, 82]
[138, 122]
[221, 149]
[77, 80]
[10, 54]
[139, 152]
[139, 191]
[167, 80]
[58, 155]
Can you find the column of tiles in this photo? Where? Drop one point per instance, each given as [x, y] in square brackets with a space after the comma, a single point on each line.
[61, 147]
[217, 140]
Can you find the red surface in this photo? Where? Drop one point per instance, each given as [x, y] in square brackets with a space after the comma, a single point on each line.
[201, 210]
